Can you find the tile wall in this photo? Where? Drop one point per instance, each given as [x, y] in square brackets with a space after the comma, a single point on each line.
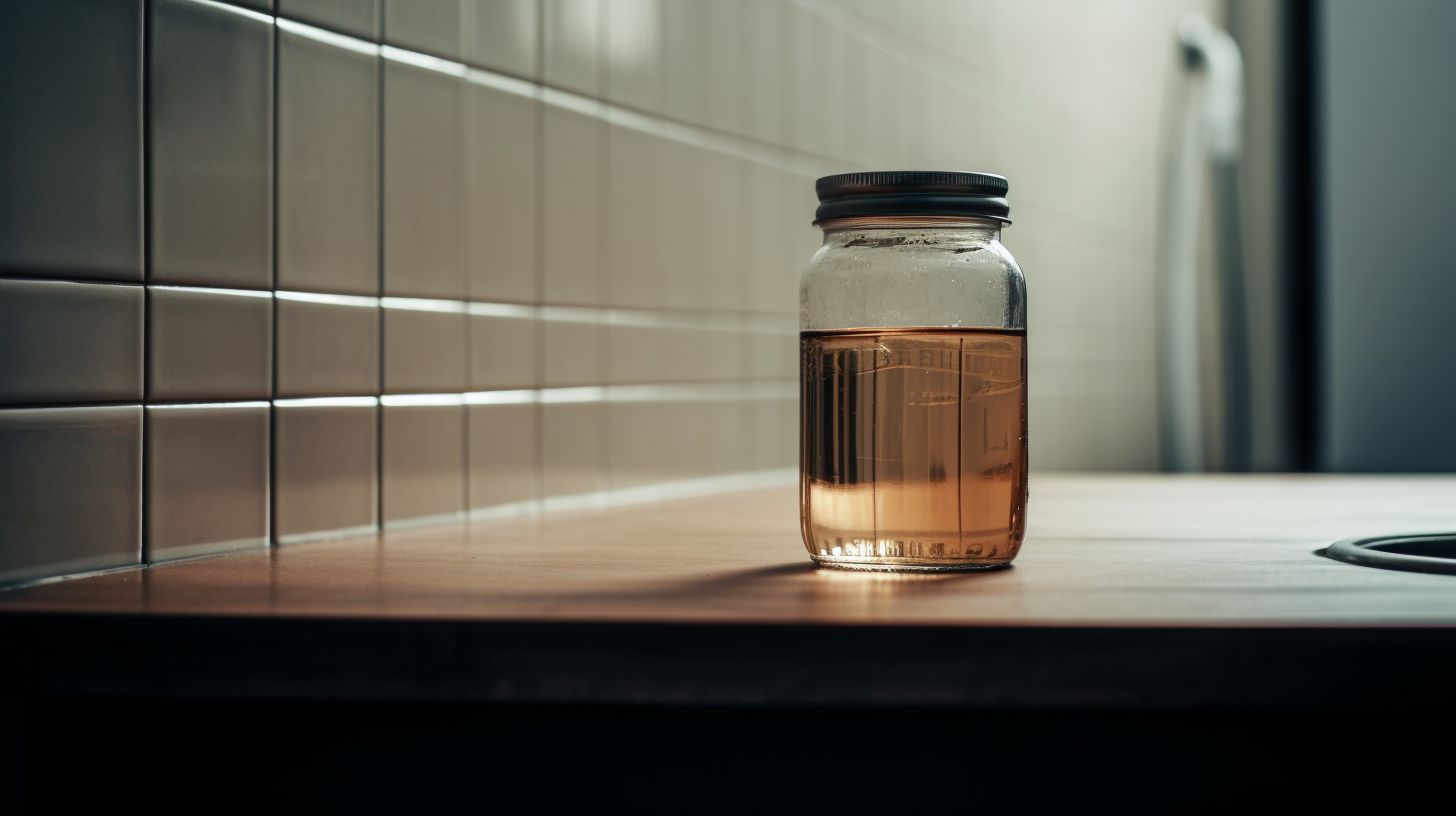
[275, 271]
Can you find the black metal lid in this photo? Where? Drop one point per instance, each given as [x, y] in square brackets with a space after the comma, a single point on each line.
[912, 192]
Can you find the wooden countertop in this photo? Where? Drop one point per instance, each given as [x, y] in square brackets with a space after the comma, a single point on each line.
[1130, 590]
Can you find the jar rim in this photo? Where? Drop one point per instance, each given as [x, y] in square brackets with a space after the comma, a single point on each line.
[912, 192]
[900, 221]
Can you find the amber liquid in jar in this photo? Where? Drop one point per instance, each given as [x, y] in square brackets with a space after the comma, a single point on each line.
[913, 448]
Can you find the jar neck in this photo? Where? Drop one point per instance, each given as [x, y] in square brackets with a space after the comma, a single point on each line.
[977, 230]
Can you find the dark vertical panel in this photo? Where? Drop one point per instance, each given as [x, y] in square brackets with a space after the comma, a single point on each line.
[1387, 121]
[1301, 247]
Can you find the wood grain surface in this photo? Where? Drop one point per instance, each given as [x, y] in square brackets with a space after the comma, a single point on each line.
[1101, 550]
[1131, 591]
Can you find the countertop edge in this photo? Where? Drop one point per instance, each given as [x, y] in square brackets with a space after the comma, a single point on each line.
[728, 664]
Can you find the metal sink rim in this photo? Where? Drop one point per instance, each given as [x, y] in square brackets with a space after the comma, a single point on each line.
[1368, 552]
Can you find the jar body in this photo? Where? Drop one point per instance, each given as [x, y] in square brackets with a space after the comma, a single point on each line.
[913, 396]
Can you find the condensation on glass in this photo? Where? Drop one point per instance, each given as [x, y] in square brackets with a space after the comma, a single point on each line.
[913, 376]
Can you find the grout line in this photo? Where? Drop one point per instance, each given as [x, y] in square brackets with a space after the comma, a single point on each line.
[750, 390]
[467, 26]
[143, 513]
[423, 304]
[653, 492]
[664, 491]
[48, 406]
[378, 517]
[164, 406]
[538, 113]
[326, 402]
[662, 317]
[332, 300]
[467, 193]
[463, 493]
[146, 514]
[447, 399]
[271, 475]
[324, 35]
[604, 277]
[212, 290]
[22, 276]
[144, 140]
[238, 10]
[27, 583]
[326, 535]
[727, 391]
[730, 391]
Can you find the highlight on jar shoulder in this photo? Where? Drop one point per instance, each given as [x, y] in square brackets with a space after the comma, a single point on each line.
[912, 320]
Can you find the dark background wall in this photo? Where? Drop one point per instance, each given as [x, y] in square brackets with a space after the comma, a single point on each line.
[1387, 289]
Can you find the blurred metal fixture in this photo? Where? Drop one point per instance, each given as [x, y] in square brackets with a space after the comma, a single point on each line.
[1207, 134]
[1417, 552]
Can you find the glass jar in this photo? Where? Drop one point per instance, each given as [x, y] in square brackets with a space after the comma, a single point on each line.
[913, 376]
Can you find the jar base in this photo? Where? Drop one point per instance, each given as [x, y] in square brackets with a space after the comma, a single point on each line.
[863, 564]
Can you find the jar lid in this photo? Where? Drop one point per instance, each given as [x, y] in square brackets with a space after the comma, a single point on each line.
[912, 192]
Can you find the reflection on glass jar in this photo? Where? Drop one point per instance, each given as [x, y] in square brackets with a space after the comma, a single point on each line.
[913, 373]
